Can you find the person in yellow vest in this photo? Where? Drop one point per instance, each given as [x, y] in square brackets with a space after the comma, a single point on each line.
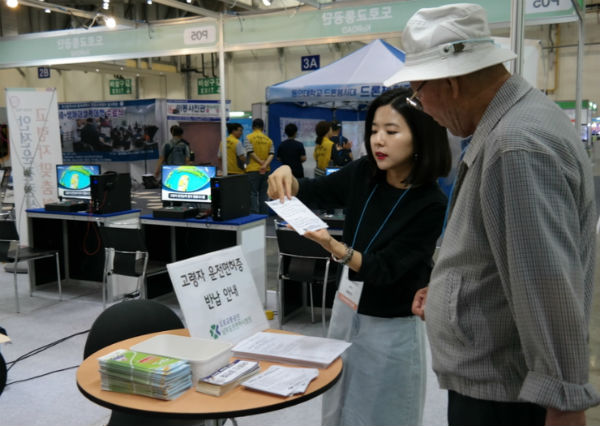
[260, 151]
[323, 147]
[236, 153]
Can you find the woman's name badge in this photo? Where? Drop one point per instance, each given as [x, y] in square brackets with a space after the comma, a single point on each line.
[349, 291]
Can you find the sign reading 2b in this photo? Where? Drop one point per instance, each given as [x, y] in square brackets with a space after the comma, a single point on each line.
[541, 6]
[200, 35]
[312, 62]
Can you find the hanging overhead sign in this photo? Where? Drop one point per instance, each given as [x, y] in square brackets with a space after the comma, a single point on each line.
[121, 86]
[334, 22]
[208, 86]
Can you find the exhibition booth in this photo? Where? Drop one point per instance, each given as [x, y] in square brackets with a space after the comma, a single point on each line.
[339, 91]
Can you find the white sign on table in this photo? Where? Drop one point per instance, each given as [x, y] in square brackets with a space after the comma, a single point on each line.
[218, 296]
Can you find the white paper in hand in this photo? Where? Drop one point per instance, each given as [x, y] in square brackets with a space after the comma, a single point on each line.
[295, 212]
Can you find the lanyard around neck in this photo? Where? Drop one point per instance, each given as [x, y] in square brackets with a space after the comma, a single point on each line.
[382, 224]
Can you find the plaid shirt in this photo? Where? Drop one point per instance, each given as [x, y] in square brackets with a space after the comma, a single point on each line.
[510, 295]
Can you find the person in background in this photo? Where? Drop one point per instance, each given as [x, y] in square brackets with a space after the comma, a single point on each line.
[175, 152]
[92, 139]
[236, 153]
[259, 148]
[342, 154]
[507, 308]
[291, 152]
[323, 147]
[394, 216]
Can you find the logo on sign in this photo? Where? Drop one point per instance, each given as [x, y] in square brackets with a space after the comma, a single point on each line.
[200, 35]
[43, 72]
[312, 62]
[214, 331]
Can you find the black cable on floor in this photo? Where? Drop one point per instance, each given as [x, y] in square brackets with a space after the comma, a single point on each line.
[41, 349]
[42, 375]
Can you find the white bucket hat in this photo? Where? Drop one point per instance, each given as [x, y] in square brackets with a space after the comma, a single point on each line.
[447, 41]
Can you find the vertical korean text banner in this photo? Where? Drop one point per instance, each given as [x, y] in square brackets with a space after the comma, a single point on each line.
[35, 149]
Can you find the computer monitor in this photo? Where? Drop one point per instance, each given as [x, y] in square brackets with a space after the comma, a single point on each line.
[190, 184]
[73, 180]
[330, 170]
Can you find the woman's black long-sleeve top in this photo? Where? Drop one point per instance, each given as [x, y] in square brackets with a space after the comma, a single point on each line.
[399, 260]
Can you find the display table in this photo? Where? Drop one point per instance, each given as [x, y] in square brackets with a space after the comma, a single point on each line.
[192, 404]
[76, 236]
[169, 240]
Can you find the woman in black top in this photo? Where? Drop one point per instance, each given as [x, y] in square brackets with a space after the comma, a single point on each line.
[395, 211]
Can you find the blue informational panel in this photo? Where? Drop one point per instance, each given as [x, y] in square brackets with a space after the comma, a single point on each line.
[311, 62]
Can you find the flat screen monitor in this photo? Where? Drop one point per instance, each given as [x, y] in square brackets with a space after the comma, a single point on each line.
[190, 184]
[330, 170]
[73, 180]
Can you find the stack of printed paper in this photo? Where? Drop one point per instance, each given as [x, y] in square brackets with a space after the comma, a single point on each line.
[144, 374]
[291, 349]
[282, 381]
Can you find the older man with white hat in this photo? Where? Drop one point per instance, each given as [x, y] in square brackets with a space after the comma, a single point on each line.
[507, 308]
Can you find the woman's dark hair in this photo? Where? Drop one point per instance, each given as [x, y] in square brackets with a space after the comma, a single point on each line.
[290, 130]
[322, 128]
[432, 158]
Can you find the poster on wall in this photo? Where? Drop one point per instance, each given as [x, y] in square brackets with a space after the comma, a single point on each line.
[34, 135]
[93, 132]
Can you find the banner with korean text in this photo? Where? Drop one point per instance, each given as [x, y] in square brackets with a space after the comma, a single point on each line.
[217, 295]
[35, 149]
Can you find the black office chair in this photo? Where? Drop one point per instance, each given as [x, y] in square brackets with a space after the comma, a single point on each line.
[124, 320]
[126, 254]
[10, 236]
[304, 261]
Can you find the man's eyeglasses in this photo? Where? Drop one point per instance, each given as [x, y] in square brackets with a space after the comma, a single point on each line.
[413, 100]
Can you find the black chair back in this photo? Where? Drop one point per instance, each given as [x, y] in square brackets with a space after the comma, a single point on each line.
[128, 319]
[293, 244]
[123, 239]
[8, 230]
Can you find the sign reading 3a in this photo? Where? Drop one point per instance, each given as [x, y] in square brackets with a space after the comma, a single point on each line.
[311, 62]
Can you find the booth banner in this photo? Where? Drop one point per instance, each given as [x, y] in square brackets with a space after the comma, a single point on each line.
[218, 296]
[97, 132]
[195, 110]
[35, 150]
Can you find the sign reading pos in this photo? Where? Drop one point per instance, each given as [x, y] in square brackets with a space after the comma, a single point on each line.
[218, 296]
[200, 35]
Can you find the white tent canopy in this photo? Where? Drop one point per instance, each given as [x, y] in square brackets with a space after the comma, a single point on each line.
[353, 80]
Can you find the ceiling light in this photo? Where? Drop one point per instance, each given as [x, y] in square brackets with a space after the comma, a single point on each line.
[148, 1]
[105, 5]
[110, 21]
[97, 69]
[12, 3]
[46, 10]
[188, 1]
[267, 2]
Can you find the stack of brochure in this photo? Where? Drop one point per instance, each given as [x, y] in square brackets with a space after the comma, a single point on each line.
[144, 374]
[306, 351]
[227, 378]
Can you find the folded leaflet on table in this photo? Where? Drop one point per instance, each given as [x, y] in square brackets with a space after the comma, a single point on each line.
[227, 378]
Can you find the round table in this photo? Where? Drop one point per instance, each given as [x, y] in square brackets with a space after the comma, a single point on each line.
[235, 403]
